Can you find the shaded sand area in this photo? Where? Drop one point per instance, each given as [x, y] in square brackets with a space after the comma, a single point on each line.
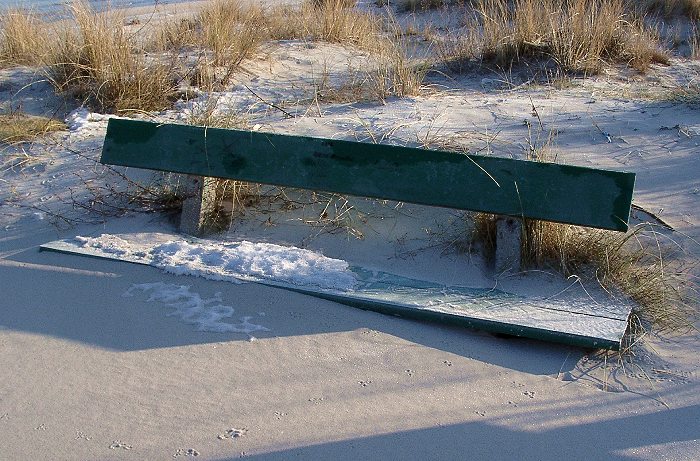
[97, 365]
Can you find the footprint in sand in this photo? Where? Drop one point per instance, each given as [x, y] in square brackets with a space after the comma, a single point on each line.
[118, 444]
[82, 435]
[186, 452]
[233, 433]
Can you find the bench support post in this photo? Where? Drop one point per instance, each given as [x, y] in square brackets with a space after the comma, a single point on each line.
[508, 242]
[199, 207]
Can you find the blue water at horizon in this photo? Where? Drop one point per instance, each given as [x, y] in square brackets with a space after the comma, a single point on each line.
[57, 7]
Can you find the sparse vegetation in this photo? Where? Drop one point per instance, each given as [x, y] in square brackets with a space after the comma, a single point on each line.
[576, 35]
[22, 41]
[97, 62]
[18, 127]
[667, 8]
[419, 5]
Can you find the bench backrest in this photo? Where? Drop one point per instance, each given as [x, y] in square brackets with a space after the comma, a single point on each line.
[552, 192]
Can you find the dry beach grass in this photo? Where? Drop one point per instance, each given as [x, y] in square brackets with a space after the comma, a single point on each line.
[94, 57]
[22, 39]
[580, 36]
[15, 127]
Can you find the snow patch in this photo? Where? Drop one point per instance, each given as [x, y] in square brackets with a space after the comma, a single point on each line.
[232, 261]
[106, 243]
[84, 124]
[222, 261]
[207, 314]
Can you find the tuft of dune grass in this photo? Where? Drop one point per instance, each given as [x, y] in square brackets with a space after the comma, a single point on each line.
[17, 127]
[667, 8]
[643, 264]
[231, 30]
[336, 23]
[97, 61]
[23, 37]
[579, 36]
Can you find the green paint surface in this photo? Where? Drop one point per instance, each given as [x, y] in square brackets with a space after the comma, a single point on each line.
[552, 192]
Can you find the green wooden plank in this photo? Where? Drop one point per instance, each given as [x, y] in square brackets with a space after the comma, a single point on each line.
[547, 191]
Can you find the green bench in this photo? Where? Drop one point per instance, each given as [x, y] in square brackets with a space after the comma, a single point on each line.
[522, 189]
[511, 188]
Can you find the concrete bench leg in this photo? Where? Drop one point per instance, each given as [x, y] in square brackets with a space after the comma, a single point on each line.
[200, 205]
[508, 242]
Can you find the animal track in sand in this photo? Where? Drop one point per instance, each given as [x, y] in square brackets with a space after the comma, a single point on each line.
[186, 452]
[118, 444]
[81, 435]
[233, 433]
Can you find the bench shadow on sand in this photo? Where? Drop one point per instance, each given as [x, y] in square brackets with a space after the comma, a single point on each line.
[81, 299]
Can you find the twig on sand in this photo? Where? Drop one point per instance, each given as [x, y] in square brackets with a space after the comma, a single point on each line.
[273, 105]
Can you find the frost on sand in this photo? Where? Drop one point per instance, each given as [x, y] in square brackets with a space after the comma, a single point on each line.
[206, 314]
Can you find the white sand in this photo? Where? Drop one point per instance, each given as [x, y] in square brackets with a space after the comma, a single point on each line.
[88, 373]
